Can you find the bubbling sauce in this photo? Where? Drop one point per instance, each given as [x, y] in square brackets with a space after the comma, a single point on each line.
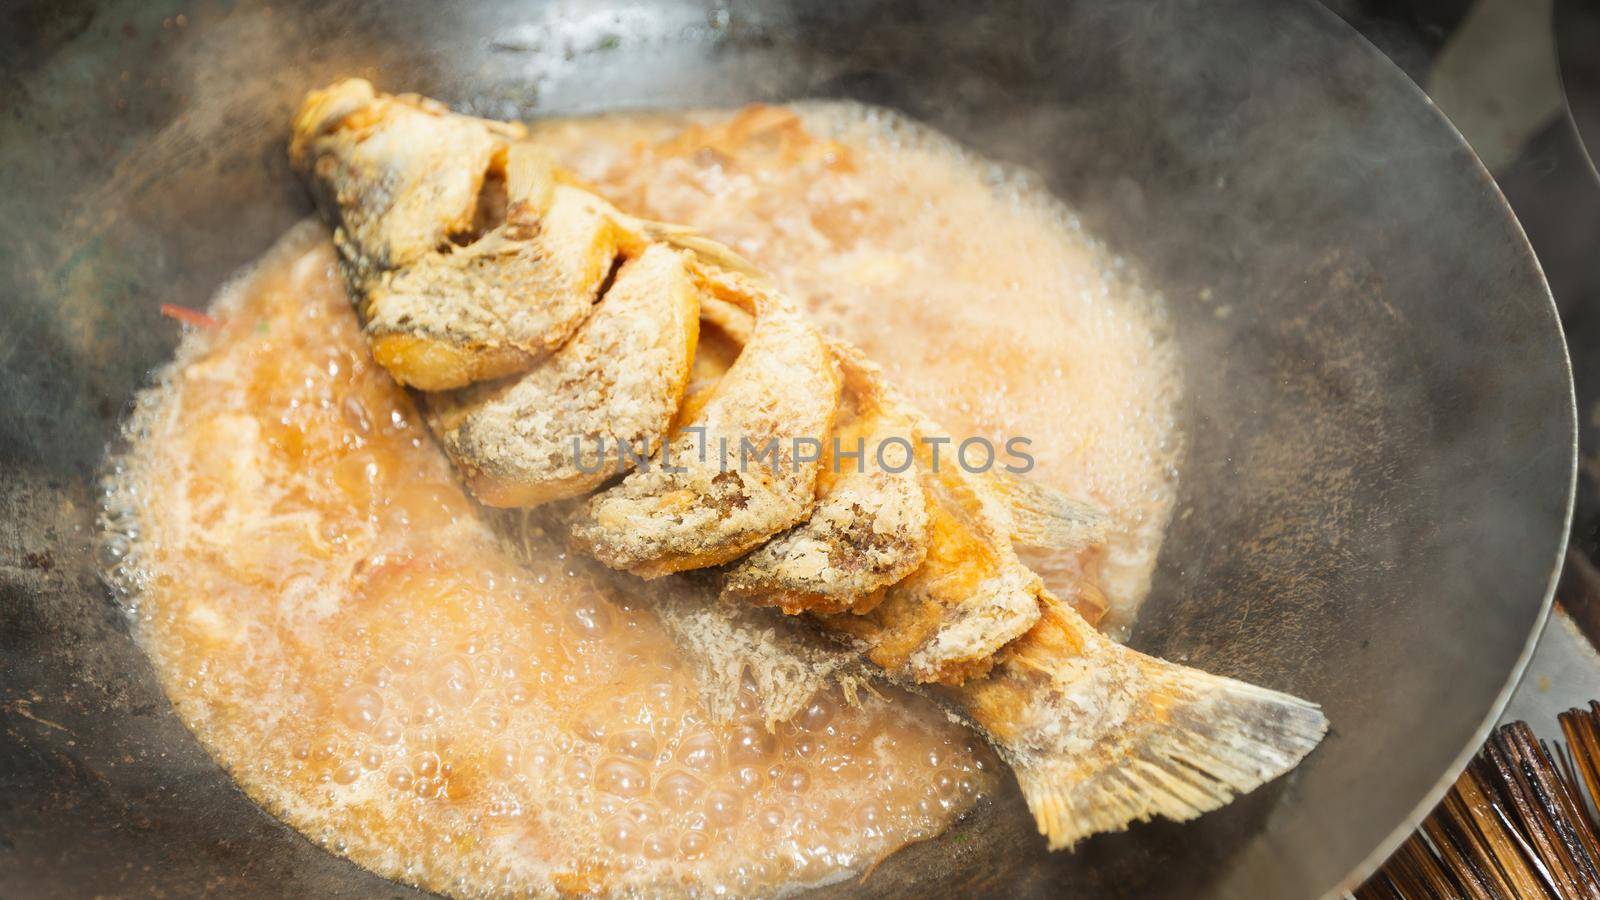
[337, 622]
[330, 614]
[980, 295]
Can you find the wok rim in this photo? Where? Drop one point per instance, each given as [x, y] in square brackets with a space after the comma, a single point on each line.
[1432, 797]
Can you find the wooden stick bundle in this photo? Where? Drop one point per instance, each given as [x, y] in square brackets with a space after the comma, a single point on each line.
[1523, 820]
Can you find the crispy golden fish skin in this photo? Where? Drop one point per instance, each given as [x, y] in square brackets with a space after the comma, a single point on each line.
[853, 548]
[558, 430]
[402, 179]
[922, 558]
[499, 305]
[734, 476]
[397, 176]
[944, 622]
[869, 528]
[934, 588]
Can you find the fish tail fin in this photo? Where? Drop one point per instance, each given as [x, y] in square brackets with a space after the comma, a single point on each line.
[1175, 743]
[1223, 738]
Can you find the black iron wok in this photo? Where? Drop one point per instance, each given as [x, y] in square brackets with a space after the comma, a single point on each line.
[1379, 401]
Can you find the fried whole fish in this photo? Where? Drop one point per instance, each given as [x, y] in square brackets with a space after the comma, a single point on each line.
[1098, 734]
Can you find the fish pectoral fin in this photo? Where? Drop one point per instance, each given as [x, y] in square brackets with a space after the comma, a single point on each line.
[1045, 518]
[530, 177]
[707, 250]
[734, 645]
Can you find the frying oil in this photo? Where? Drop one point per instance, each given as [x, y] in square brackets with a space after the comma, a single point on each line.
[332, 617]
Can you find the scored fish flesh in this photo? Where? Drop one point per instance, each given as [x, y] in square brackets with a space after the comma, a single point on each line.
[573, 423]
[736, 474]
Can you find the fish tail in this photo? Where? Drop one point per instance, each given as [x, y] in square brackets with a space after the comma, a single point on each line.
[1224, 738]
[1106, 737]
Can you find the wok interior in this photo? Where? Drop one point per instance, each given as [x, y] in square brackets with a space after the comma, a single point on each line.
[1378, 406]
